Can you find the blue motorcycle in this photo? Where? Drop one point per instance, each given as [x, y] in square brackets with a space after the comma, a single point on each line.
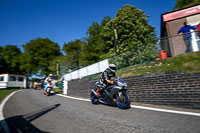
[115, 94]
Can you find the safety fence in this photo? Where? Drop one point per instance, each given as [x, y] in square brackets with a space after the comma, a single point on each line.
[86, 71]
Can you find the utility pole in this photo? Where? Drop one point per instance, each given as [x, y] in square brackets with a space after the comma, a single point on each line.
[57, 68]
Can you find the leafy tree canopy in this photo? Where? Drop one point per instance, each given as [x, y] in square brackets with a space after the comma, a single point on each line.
[10, 59]
[185, 3]
[38, 54]
[136, 38]
[74, 54]
[96, 45]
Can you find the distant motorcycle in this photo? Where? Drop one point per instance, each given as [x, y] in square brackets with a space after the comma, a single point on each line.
[48, 87]
[36, 85]
[113, 95]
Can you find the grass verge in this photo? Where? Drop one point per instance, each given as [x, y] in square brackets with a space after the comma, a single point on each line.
[5, 92]
[57, 90]
[185, 63]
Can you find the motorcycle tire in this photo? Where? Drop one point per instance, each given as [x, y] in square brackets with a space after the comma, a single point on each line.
[93, 98]
[124, 101]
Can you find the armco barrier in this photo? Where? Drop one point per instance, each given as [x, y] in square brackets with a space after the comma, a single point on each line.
[164, 88]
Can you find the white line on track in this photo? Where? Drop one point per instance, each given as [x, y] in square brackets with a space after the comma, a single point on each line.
[81, 99]
[166, 110]
[142, 107]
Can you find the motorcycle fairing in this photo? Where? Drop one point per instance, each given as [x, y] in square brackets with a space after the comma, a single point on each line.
[113, 90]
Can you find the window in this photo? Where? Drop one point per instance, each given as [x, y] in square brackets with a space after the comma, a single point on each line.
[21, 79]
[12, 78]
[1, 78]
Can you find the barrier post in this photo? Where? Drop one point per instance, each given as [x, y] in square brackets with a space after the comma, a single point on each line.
[65, 87]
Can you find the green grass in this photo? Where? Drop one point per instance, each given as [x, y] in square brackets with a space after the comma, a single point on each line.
[5, 92]
[57, 90]
[186, 63]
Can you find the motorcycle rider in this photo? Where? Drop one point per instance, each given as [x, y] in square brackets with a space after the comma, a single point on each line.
[105, 78]
[48, 80]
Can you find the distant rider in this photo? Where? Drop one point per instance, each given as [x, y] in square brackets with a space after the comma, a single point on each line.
[105, 78]
[48, 81]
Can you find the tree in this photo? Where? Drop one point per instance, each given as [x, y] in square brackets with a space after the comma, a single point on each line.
[95, 46]
[73, 51]
[38, 55]
[10, 59]
[185, 3]
[136, 38]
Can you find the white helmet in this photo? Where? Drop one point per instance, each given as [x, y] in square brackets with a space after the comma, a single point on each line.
[50, 75]
[112, 67]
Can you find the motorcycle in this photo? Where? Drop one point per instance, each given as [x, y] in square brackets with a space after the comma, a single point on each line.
[115, 94]
[35, 85]
[48, 87]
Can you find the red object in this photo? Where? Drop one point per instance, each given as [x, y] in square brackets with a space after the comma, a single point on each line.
[163, 54]
[198, 29]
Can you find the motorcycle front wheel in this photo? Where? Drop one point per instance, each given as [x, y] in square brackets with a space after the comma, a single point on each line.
[93, 98]
[123, 100]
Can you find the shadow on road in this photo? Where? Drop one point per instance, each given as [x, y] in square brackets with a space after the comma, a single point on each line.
[22, 123]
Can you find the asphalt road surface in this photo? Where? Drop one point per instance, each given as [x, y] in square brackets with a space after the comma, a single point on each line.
[30, 111]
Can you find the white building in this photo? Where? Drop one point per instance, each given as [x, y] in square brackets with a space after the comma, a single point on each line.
[12, 80]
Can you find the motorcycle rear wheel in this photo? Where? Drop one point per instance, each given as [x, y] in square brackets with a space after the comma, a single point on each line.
[124, 101]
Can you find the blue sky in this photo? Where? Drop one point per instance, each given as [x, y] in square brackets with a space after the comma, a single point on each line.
[65, 20]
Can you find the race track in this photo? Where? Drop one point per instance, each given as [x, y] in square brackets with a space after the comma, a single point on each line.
[30, 111]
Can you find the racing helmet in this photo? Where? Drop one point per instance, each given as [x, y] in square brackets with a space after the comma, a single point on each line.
[112, 67]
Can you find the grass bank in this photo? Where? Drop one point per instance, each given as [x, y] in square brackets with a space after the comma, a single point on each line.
[5, 92]
[57, 90]
[186, 63]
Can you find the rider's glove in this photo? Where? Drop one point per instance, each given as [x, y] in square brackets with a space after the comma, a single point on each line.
[110, 82]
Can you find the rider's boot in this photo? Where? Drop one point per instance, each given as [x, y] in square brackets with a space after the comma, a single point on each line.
[46, 93]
